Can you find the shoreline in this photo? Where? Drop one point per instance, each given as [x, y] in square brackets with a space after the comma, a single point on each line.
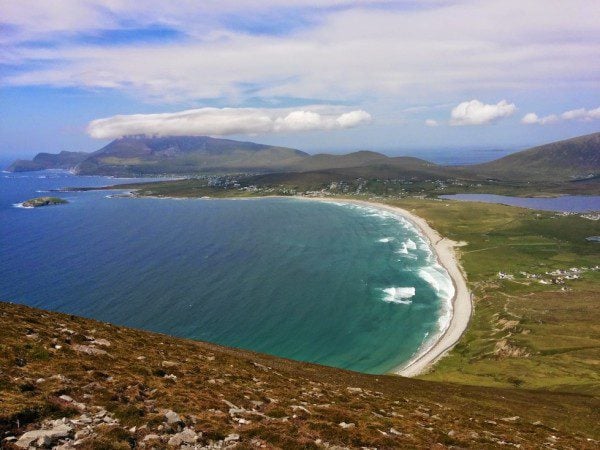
[443, 249]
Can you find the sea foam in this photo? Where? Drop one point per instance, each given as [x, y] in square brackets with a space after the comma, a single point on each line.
[399, 295]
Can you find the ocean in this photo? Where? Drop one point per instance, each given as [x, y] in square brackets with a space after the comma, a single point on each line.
[331, 283]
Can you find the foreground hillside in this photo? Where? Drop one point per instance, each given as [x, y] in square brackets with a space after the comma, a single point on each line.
[95, 385]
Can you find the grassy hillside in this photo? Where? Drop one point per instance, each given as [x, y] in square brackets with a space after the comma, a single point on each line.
[187, 155]
[575, 158]
[325, 161]
[523, 333]
[121, 388]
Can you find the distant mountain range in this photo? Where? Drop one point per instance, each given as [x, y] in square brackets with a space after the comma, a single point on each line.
[577, 158]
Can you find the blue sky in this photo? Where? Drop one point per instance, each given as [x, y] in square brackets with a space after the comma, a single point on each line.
[393, 76]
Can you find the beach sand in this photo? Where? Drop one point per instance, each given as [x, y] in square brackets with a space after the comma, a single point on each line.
[461, 302]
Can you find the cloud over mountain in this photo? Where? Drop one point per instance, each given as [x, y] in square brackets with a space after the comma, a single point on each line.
[225, 122]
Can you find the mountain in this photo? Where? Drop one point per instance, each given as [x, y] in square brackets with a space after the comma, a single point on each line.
[571, 159]
[65, 379]
[42, 161]
[185, 155]
[568, 160]
[135, 155]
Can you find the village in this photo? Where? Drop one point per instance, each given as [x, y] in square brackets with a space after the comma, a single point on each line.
[556, 277]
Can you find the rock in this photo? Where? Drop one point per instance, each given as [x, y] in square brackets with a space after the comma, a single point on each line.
[301, 408]
[187, 436]
[510, 419]
[394, 431]
[172, 417]
[89, 349]
[168, 364]
[151, 437]
[354, 390]
[43, 441]
[103, 342]
[232, 437]
[345, 425]
[46, 436]
[66, 398]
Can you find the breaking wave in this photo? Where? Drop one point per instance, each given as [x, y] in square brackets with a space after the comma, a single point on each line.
[399, 295]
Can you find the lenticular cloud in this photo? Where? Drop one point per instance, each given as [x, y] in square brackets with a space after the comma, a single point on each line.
[224, 121]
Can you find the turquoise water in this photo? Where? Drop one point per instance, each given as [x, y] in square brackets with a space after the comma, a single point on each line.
[335, 284]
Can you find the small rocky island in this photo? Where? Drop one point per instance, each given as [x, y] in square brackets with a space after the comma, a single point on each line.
[43, 201]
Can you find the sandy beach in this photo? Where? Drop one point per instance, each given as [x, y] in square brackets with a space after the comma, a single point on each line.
[461, 302]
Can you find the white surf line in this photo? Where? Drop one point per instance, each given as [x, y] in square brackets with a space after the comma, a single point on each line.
[443, 249]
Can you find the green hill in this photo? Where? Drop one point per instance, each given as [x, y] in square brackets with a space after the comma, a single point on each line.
[137, 155]
[185, 155]
[326, 161]
[576, 158]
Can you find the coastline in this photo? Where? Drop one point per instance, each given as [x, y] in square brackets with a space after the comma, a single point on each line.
[462, 307]
[443, 249]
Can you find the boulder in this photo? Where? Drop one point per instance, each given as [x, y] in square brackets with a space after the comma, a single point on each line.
[172, 418]
[187, 436]
[45, 437]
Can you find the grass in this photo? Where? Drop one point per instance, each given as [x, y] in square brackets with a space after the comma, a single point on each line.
[552, 337]
[284, 404]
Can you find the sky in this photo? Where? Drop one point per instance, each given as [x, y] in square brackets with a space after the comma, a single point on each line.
[399, 76]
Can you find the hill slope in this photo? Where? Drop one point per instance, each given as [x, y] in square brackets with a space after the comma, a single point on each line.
[185, 155]
[324, 161]
[569, 159]
[42, 161]
[136, 155]
[120, 388]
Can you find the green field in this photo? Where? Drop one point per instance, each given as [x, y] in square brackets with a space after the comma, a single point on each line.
[522, 333]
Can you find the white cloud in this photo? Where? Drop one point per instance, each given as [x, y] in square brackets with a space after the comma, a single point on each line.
[431, 123]
[475, 112]
[533, 119]
[349, 51]
[226, 121]
[581, 114]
